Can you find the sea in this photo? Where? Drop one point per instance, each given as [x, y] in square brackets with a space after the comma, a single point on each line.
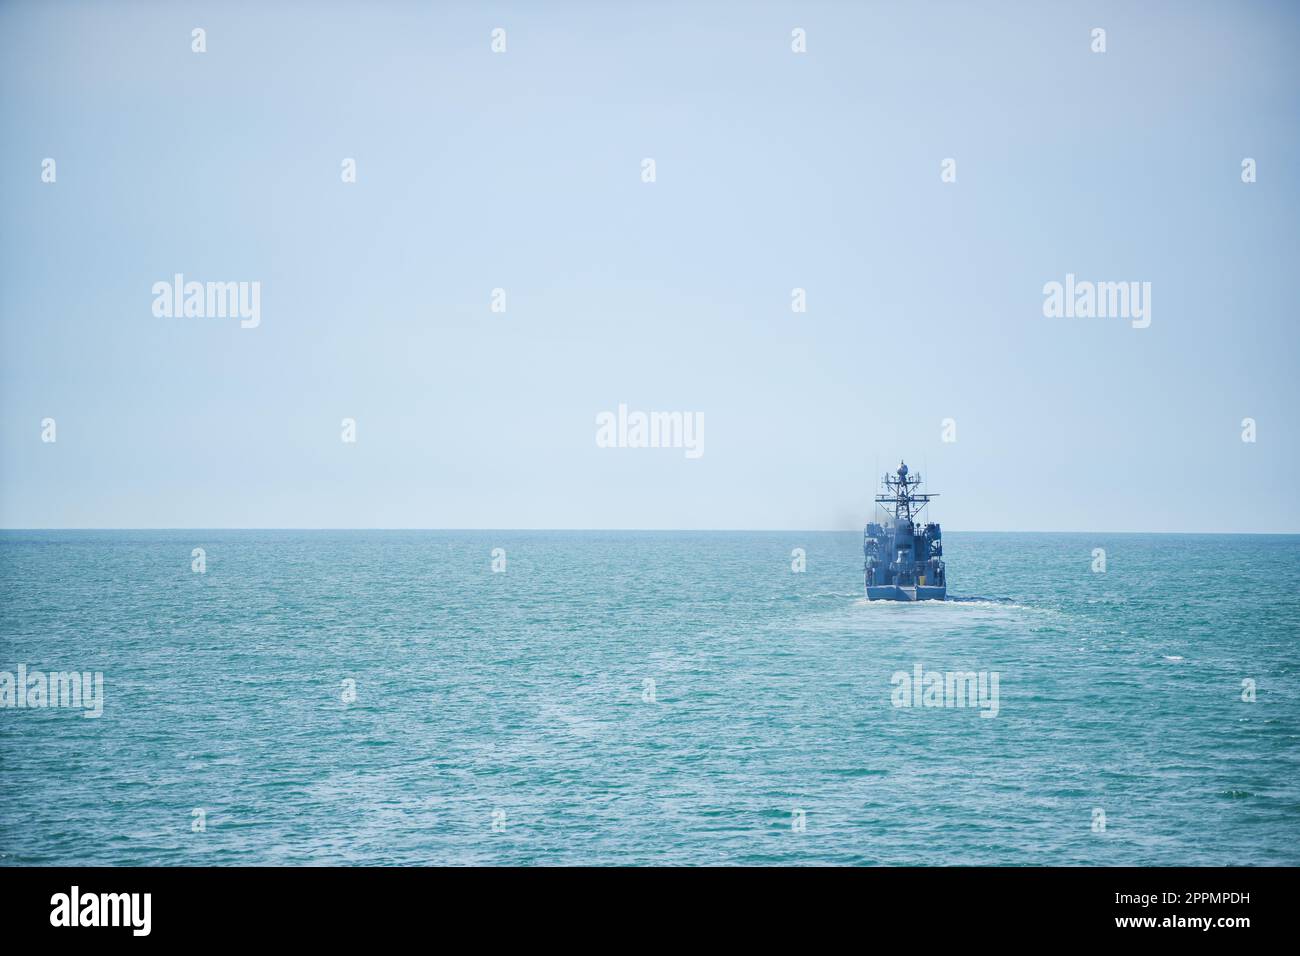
[646, 698]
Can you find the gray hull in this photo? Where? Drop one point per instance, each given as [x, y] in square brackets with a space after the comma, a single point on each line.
[890, 592]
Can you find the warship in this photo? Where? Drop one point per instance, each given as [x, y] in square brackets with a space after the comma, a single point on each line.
[904, 559]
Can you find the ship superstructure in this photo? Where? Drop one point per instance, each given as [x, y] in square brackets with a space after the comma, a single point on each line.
[904, 558]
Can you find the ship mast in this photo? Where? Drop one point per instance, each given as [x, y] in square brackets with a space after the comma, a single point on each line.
[903, 497]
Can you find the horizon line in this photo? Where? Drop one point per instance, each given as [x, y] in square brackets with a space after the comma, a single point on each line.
[5, 530]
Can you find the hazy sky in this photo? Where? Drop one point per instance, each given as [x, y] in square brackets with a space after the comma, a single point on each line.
[523, 171]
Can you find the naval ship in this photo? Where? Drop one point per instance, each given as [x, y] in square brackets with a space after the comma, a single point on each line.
[904, 559]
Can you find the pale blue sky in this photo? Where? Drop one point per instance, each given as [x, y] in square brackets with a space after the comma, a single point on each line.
[522, 171]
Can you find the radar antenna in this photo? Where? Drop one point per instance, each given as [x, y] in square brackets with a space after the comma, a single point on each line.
[903, 497]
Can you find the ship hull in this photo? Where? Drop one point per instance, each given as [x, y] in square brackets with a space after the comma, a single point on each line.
[891, 592]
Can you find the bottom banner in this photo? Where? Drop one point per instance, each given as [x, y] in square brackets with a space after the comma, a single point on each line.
[1222, 906]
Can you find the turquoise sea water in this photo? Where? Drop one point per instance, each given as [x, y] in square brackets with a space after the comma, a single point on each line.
[502, 718]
